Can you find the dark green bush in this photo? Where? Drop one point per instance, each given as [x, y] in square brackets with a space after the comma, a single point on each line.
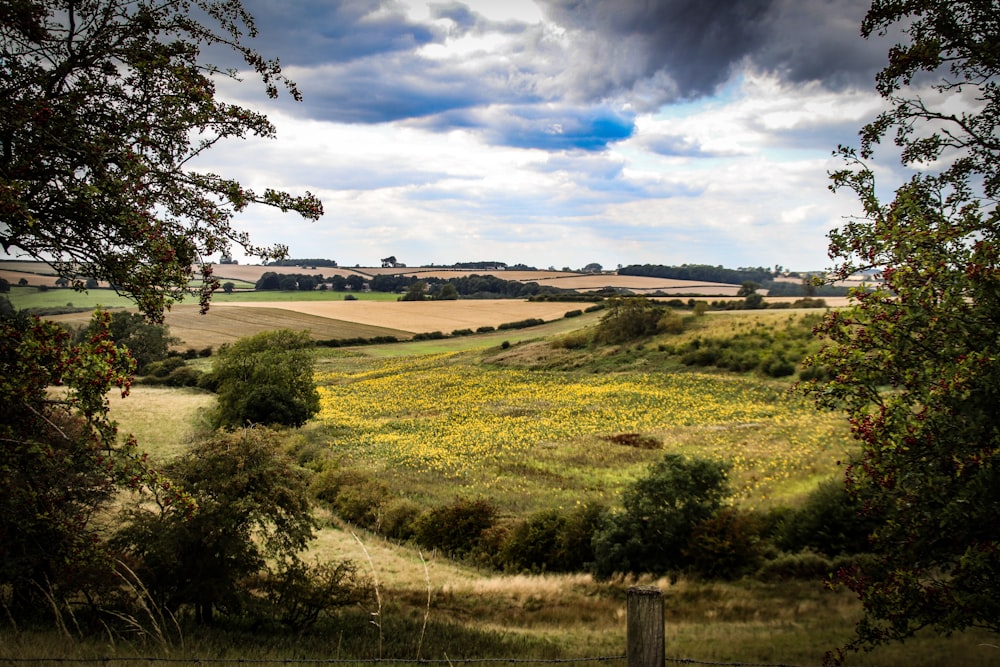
[727, 545]
[552, 541]
[660, 513]
[802, 565]
[831, 522]
[456, 529]
[399, 518]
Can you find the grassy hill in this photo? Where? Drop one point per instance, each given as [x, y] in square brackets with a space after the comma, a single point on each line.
[524, 422]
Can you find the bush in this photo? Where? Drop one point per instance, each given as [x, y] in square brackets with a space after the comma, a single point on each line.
[660, 513]
[726, 545]
[802, 565]
[399, 518]
[627, 319]
[552, 541]
[266, 379]
[830, 522]
[456, 529]
[575, 340]
[522, 324]
[361, 503]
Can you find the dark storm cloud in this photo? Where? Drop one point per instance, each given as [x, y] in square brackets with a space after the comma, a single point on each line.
[310, 32]
[698, 44]
[360, 61]
[390, 88]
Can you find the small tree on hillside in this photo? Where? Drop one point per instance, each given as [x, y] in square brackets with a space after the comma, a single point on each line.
[660, 512]
[266, 379]
[628, 318]
[253, 515]
[145, 342]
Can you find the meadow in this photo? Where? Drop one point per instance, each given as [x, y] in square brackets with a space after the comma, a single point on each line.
[491, 416]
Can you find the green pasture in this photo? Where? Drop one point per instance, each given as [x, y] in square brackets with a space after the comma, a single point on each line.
[64, 297]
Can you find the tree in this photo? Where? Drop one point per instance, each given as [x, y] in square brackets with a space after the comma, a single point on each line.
[266, 379]
[228, 287]
[103, 106]
[253, 515]
[448, 292]
[915, 361]
[629, 318]
[61, 465]
[416, 292]
[145, 342]
[660, 512]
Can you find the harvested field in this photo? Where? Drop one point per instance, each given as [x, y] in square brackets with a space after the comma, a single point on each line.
[34, 279]
[253, 272]
[225, 324]
[598, 281]
[414, 316]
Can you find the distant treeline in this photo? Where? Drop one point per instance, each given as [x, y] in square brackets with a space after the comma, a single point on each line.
[469, 287]
[311, 263]
[700, 273]
[764, 277]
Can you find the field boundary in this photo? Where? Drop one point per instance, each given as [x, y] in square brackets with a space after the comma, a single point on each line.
[644, 648]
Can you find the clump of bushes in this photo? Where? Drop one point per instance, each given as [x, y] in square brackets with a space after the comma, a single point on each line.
[522, 324]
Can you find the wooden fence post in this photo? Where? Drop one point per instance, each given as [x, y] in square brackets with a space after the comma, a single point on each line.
[644, 632]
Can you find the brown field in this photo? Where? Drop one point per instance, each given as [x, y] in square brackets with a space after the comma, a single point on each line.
[414, 316]
[34, 279]
[224, 324]
[253, 272]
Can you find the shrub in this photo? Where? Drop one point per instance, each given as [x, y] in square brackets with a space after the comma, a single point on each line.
[660, 513]
[574, 340]
[456, 529]
[352, 495]
[802, 565]
[522, 324]
[266, 379]
[399, 518]
[552, 541]
[362, 502]
[727, 545]
[830, 522]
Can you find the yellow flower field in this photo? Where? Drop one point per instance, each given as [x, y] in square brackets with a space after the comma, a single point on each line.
[436, 414]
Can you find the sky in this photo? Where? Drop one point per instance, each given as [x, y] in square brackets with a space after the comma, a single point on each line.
[558, 133]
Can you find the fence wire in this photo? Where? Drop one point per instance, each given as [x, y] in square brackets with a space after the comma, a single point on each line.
[360, 661]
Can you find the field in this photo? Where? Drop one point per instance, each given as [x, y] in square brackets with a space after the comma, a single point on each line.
[475, 417]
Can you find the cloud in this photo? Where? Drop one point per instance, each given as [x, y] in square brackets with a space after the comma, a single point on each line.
[547, 127]
[695, 46]
[312, 32]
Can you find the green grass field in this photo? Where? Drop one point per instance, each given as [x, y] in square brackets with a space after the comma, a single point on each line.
[32, 297]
